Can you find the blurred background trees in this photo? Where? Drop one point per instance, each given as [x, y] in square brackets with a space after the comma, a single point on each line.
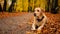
[29, 5]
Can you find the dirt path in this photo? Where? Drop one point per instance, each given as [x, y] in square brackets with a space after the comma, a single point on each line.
[15, 24]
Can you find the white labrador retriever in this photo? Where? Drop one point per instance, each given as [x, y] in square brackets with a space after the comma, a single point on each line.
[39, 19]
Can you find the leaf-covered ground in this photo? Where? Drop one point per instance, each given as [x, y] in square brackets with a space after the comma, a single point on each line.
[20, 23]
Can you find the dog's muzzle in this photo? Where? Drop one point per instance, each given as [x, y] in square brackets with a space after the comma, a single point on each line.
[34, 14]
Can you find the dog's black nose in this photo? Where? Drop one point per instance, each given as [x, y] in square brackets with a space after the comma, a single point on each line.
[34, 14]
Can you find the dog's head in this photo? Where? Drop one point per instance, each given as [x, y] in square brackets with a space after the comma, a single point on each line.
[37, 12]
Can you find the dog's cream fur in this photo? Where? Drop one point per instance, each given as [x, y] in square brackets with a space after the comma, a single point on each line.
[39, 15]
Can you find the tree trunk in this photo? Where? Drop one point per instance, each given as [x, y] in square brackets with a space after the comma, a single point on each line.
[4, 7]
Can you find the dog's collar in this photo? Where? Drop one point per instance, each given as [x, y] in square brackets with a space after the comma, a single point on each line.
[39, 20]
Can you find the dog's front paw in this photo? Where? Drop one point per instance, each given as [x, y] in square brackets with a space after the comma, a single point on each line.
[33, 29]
[38, 31]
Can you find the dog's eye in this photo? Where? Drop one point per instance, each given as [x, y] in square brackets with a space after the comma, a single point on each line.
[38, 10]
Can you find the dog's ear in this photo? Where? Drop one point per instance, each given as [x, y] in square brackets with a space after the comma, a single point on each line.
[43, 10]
[40, 13]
